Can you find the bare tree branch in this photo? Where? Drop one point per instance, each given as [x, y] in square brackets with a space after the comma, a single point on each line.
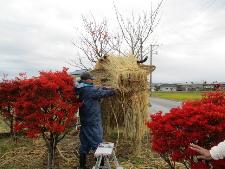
[136, 31]
[95, 42]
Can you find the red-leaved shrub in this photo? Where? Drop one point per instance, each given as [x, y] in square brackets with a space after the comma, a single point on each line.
[200, 122]
[9, 92]
[47, 107]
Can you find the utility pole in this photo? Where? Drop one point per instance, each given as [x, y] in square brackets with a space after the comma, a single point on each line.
[151, 55]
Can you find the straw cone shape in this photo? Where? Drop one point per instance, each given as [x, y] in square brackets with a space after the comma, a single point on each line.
[128, 110]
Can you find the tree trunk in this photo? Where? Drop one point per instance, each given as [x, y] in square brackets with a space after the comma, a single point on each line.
[11, 120]
[11, 127]
[12, 133]
[51, 152]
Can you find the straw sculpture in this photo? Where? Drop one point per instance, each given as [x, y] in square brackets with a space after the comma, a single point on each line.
[128, 110]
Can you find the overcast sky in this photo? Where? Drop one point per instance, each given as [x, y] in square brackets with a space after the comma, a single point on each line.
[38, 34]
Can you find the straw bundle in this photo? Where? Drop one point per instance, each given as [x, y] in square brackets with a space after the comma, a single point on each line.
[127, 111]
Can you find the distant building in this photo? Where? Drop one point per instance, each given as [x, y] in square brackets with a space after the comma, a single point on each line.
[213, 86]
[223, 86]
[197, 87]
[189, 87]
[155, 86]
[168, 87]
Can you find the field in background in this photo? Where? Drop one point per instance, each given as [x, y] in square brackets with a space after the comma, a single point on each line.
[179, 96]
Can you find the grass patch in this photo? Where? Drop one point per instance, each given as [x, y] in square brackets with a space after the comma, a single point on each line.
[12, 167]
[7, 144]
[179, 96]
[3, 126]
[27, 154]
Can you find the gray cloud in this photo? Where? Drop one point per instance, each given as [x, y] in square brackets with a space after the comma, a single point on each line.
[38, 35]
[193, 37]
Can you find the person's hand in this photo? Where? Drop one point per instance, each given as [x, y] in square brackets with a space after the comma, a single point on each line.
[110, 88]
[106, 87]
[204, 153]
[116, 90]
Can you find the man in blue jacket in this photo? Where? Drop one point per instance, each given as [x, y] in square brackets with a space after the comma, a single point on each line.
[91, 131]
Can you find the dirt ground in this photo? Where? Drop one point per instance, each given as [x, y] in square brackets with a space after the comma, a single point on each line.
[27, 154]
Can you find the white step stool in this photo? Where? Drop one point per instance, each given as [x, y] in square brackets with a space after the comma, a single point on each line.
[105, 151]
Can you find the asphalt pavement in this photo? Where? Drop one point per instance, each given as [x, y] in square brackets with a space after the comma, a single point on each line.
[163, 105]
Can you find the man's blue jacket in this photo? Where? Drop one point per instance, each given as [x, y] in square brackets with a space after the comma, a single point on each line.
[90, 110]
[91, 132]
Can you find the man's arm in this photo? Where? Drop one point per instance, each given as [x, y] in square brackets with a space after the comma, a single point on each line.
[218, 152]
[102, 92]
[215, 153]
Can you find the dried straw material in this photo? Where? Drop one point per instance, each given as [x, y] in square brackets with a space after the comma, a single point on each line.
[128, 110]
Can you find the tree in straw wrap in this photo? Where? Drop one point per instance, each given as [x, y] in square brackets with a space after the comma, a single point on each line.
[127, 111]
